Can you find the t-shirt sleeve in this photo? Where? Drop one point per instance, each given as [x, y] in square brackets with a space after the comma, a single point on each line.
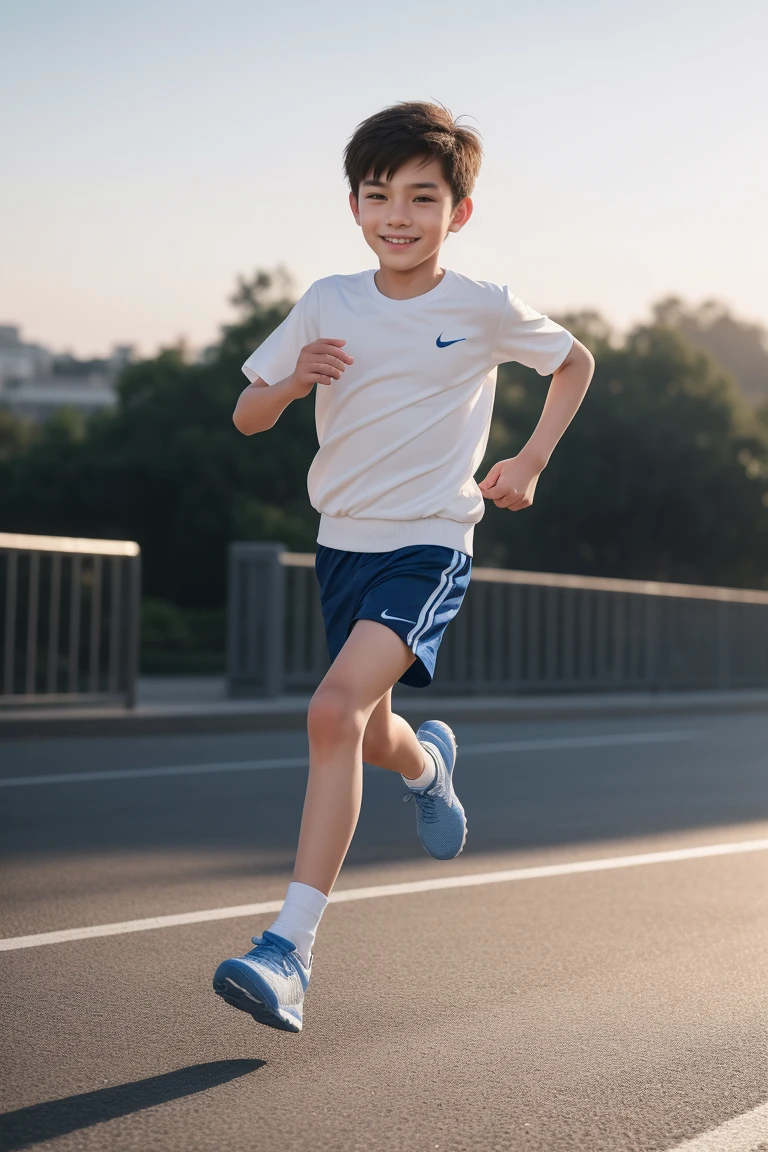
[276, 357]
[529, 338]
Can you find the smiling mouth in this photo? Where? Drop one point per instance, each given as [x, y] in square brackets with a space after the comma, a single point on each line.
[400, 241]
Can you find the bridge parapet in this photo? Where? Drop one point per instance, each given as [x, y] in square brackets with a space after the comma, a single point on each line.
[70, 620]
[517, 632]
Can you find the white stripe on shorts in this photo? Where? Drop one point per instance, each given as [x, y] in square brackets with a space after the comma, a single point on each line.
[444, 575]
[427, 614]
[436, 604]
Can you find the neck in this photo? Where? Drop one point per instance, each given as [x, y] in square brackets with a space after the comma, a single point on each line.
[403, 284]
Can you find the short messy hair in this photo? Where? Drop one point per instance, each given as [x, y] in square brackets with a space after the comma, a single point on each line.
[406, 131]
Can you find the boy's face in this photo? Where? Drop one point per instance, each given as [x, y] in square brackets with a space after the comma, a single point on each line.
[406, 218]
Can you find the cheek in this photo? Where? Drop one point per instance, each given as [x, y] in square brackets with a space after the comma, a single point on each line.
[437, 225]
[368, 220]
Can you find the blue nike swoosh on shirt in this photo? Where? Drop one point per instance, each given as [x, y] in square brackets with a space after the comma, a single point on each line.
[445, 343]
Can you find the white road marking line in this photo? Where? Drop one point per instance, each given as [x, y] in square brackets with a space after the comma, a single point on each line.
[745, 1133]
[165, 770]
[609, 740]
[345, 896]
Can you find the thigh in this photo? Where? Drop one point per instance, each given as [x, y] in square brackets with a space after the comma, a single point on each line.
[416, 592]
[371, 661]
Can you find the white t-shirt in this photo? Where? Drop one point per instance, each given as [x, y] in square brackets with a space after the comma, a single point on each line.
[403, 431]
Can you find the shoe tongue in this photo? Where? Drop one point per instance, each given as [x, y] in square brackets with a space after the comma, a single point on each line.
[280, 941]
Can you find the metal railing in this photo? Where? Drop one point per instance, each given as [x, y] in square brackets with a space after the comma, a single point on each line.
[70, 623]
[517, 632]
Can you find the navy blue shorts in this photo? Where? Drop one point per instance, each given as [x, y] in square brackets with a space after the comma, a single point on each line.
[414, 591]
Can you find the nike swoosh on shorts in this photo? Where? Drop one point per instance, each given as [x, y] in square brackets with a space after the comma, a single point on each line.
[385, 616]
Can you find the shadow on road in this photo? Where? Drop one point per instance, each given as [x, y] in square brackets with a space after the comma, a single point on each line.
[46, 1121]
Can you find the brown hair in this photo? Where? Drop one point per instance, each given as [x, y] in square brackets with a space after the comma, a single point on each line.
[403, 132]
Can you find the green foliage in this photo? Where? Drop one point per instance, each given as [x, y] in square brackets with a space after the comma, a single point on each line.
[178, 641]
[64, 427]
[16, 435]
[740, 347]
[662, 475]
[169, 469]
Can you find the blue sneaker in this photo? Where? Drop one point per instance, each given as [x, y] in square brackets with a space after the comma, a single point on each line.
[440, 819]
[269, 982]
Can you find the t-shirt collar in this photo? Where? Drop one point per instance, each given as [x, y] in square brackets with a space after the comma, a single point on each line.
[411, 301]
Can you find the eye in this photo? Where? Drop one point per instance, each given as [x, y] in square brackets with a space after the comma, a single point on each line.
[375, 196]
[425, 199]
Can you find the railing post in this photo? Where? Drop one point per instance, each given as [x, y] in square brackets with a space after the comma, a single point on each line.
[33, 592]
[723, 645]
[256, 620]
[9, 631]
[133, 630]
[651, 643]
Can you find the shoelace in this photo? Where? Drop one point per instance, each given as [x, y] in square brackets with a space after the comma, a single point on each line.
[426, 804]
[271, 951]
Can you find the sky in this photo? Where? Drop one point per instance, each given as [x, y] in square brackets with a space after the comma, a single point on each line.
[154, 150]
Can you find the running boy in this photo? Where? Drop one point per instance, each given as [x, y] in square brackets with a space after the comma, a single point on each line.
[404, 359]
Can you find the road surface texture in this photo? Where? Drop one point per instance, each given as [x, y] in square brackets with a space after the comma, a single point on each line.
[602, 987]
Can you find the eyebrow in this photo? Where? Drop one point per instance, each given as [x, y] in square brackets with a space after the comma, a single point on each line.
[383, 184]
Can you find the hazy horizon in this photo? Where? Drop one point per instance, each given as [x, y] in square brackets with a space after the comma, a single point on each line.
[153, 153]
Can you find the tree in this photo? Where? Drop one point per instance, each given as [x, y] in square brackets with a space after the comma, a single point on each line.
[15, 435]
[740, 347]
[663, 473]
[168, 468]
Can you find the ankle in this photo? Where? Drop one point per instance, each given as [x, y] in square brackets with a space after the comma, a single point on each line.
[299, 918]
[426, 776]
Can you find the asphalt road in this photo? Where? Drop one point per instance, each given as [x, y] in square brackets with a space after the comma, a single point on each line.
[605, 1010]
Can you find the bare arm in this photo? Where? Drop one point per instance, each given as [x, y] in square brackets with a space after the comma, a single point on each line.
[564, 396]
[512, 483]
[260, 405]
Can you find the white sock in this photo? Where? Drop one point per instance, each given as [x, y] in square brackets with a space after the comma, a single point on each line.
[427, 776]
[299, 918]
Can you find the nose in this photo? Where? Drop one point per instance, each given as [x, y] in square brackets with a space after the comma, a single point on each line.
[399, 215]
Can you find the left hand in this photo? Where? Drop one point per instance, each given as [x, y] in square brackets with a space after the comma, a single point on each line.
[510, 484]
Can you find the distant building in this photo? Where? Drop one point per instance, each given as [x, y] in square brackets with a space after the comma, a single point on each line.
[35, 382]
[21, 362]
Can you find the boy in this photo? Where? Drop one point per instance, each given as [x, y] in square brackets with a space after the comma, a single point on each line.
[404, 360]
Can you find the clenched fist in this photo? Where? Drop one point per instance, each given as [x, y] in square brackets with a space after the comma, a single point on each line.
[510, 484]
[319, 363]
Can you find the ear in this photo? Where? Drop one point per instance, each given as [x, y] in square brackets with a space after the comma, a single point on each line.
[461, 214]
[354, 206]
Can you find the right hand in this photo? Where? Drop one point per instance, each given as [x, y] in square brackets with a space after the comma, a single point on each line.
[319, 363]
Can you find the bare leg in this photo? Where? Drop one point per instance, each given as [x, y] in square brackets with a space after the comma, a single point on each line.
[390, 742]
[372, 660]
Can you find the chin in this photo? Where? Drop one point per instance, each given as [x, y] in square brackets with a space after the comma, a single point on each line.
[397, 265]
[400, 263]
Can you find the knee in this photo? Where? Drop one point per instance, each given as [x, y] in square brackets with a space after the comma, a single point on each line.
[333, 717]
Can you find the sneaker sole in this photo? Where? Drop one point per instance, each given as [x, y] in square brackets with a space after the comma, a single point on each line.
[245, 1001]
[466, 829]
